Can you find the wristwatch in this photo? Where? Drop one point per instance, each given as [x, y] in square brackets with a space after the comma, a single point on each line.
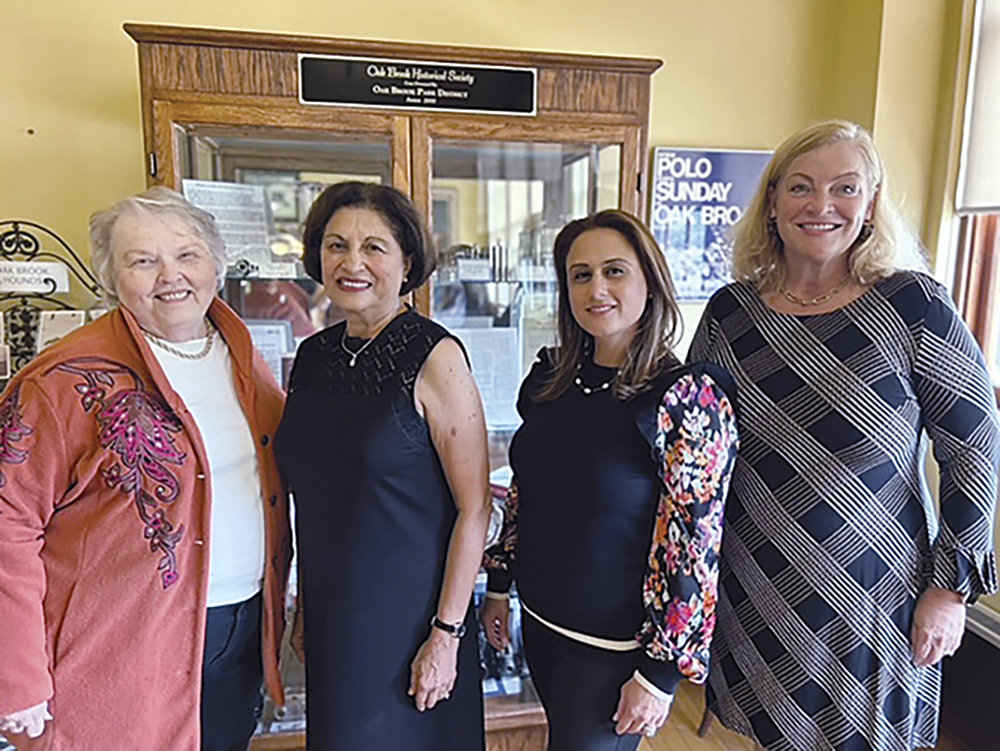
[454, 629]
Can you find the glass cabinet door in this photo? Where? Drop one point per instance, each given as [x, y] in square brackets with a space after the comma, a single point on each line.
[291, 168]
[496, 208]
[223, 106]
[269, 288]
[495, 202]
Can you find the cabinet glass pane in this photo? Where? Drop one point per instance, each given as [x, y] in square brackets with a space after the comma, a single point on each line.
[496, 208]
[292, 168]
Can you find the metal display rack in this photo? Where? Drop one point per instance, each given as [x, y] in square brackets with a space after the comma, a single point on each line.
[22, 240]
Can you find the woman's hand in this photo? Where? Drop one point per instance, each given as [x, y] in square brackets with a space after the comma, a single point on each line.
[30, 721]
[938, 625]
[495, 617]
[297, 639]
[434, 669]
[639, 711]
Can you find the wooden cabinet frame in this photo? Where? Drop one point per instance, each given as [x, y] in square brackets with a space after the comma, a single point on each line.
[169, 116]
[248, 82]
[190, 75]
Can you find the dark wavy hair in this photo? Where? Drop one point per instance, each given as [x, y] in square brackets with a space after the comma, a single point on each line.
[652, 350]
[396, 210]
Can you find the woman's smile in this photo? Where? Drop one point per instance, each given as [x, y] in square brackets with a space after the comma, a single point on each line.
[607, 291]
[177, 296]
[818, 228]
[353, 285]
[600, 309]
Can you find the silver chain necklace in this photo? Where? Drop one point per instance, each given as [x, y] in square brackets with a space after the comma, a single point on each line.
[200, 355]
[354, 355]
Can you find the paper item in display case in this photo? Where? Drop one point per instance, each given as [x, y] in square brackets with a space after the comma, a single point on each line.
[475, 269]
[274, 340]
[241, 214]
[53, 325]
[495, 354]
[4, 361]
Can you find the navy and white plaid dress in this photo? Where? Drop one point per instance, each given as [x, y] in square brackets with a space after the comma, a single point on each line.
[831, 534]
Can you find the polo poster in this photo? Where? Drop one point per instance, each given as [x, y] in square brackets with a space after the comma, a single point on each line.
[697, 197]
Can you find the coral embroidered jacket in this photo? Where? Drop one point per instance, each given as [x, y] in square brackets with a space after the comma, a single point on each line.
[104, 538]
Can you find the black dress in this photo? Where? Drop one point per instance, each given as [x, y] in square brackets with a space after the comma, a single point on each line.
[374, 515]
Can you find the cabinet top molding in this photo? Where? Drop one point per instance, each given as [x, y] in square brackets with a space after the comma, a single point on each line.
[187, 35]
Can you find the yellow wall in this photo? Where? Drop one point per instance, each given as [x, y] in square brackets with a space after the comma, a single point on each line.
[910, 73]
[736, 73]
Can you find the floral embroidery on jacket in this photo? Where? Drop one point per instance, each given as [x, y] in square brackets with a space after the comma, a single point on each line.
[137, 426]
[12, 430]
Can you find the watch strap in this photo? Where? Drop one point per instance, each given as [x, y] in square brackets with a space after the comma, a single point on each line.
[454, 629]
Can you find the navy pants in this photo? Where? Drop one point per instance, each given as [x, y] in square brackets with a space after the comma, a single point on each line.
[232, 675]
[579, 687]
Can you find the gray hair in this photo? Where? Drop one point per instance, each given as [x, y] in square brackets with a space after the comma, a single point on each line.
[156, 201]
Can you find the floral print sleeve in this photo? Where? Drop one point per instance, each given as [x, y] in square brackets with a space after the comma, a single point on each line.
[696, 441]
[499, 558]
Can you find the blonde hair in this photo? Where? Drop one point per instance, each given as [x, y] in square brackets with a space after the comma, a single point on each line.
[652, 349]
[758, 251]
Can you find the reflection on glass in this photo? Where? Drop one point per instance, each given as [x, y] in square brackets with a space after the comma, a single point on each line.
[292, 169]
[496, 210]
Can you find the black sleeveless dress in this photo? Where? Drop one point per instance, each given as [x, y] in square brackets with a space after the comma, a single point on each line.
[373, 515]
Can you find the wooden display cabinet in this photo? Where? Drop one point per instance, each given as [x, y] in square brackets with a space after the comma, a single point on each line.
[224, 105]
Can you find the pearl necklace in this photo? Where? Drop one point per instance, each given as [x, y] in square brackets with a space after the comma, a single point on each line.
[201, 355]
[815, 300]
[588, 390]
[353, 355]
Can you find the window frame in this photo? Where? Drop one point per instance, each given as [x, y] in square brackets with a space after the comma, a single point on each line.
[977, 284]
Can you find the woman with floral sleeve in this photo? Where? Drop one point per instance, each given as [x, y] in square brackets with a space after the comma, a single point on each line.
[621, 470]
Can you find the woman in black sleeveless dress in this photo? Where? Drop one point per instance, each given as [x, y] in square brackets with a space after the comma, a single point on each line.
[384, 444]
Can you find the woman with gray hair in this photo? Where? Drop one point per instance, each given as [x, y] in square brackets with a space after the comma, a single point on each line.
[144, 534]
[843, 586]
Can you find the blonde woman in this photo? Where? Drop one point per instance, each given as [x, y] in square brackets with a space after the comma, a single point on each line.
[842, 586]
